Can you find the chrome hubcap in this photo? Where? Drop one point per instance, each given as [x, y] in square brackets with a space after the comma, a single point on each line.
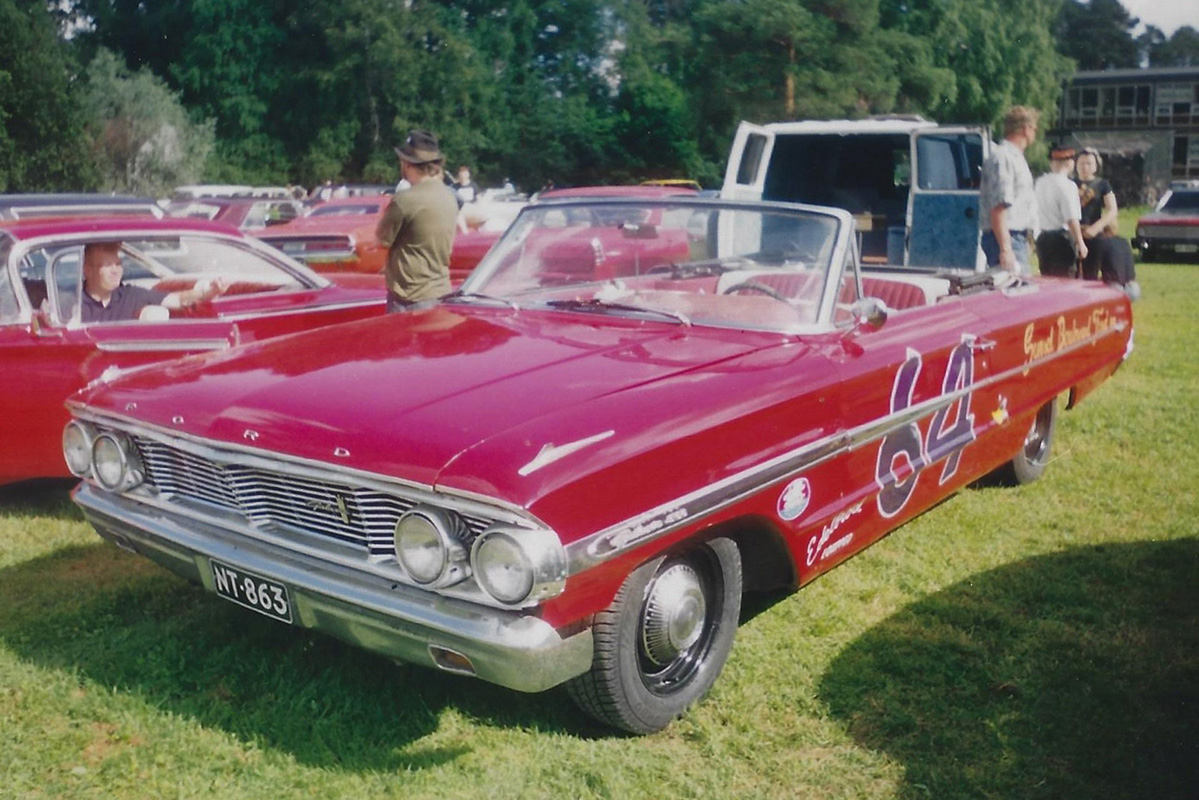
[675, 614]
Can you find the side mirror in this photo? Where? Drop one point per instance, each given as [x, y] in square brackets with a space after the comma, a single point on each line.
[870, 312]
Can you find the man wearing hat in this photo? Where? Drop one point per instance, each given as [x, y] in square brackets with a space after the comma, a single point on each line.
[1060, 245]
[418, 227]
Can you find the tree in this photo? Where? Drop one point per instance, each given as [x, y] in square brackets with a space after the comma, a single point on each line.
[141, 136]
[40, 128]
[1097, 34]
[1179, 50]
[999, 52]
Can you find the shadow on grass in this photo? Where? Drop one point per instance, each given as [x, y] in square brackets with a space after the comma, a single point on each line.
[48, 497]
[121, 622]
[1074, 675]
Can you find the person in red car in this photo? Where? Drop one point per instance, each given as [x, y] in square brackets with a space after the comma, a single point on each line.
[418, 227]
[106, 299]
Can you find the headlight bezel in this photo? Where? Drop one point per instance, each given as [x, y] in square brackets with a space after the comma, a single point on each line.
[130, 472]
[88, 433]
[449, 533]
[539, 556]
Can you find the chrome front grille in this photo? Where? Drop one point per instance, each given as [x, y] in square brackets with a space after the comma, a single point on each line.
[283, 503]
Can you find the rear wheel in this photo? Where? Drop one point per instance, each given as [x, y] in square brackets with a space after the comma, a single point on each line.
[1030, 462]
[661, 643]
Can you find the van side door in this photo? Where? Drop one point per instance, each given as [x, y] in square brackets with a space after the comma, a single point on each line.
[745, 175]
[942, 219]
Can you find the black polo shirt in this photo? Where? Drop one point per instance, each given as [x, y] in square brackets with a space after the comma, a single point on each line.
[124, 304]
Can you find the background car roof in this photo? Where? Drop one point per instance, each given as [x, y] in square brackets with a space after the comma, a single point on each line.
[617, 191]
[36, 228]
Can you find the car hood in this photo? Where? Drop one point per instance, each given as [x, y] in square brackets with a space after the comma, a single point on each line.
[1163, 216]
[405, 395]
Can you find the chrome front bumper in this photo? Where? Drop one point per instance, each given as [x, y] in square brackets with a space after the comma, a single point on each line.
[511, 649]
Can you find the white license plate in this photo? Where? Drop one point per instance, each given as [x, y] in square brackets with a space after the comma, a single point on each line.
[252, 591]
[1186, 248]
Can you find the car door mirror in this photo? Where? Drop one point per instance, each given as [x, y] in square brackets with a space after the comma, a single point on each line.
[870, 312]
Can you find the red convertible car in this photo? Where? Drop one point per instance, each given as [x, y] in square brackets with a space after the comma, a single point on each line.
[558, 477]
[48, 353]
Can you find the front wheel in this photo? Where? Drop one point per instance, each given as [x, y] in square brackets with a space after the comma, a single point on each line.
[661, 643]
[1030, 462]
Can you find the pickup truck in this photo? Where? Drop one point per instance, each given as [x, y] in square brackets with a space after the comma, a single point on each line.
[867, 167]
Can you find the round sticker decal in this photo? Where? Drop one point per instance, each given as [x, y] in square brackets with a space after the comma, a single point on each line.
[795, 498]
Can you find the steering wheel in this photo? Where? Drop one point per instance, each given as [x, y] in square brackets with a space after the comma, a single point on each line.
[760, 288]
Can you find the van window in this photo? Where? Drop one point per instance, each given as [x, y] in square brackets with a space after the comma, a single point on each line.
[751, 158]
[949, 162]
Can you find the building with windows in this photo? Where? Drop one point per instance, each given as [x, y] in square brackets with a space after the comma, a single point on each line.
[1145, 123]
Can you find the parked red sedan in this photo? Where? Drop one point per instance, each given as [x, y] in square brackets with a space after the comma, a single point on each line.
[48, 353]
[560, 476]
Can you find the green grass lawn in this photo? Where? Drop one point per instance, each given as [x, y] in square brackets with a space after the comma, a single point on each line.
[1039, 642]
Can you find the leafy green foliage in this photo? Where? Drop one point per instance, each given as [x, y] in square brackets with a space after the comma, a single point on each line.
[40, 125]
[143, 141]
[1179, 50]
[1097, 34]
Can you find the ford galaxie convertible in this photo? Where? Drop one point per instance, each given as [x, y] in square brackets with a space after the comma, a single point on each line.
[557, 478]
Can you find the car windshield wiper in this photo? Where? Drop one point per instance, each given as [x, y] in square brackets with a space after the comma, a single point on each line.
[472, 297]
[595, 304]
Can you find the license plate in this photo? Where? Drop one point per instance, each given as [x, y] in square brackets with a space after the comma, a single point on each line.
[1186, 248]
[252, 591]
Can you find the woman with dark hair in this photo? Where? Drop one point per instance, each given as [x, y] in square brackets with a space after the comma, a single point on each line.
[1109, 256]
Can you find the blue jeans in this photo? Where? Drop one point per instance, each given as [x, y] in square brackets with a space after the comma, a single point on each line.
[1019, 250]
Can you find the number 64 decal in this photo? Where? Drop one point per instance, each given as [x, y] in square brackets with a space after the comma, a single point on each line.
[951, 429]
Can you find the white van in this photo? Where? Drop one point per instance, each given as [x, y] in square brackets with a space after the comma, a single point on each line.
[867, 167]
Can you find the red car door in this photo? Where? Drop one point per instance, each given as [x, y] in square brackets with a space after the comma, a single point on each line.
[913, 409]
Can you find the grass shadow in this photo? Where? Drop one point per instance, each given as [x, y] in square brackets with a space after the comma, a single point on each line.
[45, 497]
[1069, 675]
[121, 622]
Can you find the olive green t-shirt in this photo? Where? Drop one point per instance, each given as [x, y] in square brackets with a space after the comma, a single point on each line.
[418, 229]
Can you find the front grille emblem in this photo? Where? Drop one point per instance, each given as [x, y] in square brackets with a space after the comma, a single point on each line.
[339, 506]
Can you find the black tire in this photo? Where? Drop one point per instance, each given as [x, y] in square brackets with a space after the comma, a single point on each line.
[1033, 456]
[664, 639]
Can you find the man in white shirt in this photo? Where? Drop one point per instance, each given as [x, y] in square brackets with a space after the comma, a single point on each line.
[1007, 203]
[1060, 245]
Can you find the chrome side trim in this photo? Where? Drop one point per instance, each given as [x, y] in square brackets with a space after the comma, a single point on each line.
[509, 648]
[669, 517]
[159, 345]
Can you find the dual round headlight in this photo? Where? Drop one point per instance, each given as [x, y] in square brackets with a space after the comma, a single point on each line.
[107, 457]
[513, 566]
[429, 546]
[516, 566]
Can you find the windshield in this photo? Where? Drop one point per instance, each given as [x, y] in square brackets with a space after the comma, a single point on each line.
[694, 261]
[161, 262]
[346, 210]
[1182, 201]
